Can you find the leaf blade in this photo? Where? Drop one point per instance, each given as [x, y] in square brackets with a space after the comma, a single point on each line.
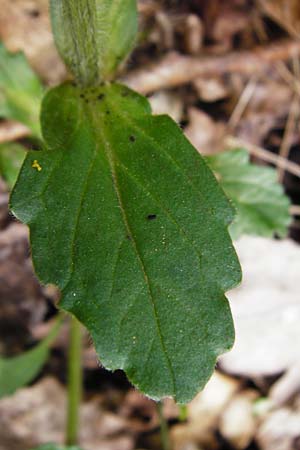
[17, 371]
[11, 158]
[20, 90]
[141, 235]
[262, 207]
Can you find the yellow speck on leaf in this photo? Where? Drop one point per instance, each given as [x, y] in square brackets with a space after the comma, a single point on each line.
[36, 165]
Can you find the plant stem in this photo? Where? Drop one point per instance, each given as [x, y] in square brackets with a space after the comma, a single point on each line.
[164, 429]
[74, 382]
[183, 413]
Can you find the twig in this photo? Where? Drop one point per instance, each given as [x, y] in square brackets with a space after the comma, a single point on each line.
[265, 155]
[176, 69]
[242, 103]
[288, 133]
[288, 77]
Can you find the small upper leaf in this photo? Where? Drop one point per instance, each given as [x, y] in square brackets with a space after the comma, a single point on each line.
[128, 220]
[19, 370]
[11, 158]
[93, 36]
[20, 90]
[262, 207]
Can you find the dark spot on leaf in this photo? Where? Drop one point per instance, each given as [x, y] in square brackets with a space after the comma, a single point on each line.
[81, 95]
[101, 96]
[132, 138]
[151, 217]
[107, 111]
[128, 237]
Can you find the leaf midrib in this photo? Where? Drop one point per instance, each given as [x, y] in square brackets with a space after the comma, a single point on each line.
[111, 160]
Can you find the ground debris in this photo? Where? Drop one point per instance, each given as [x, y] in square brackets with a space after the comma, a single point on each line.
[36, 415]
[176, 69]
[228, 73]
[280, 431]
[24, 25]
[204, 413]
[268, 303]
[238, 423]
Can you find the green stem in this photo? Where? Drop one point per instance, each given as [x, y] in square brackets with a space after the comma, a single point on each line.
[183, 413]
[74, 382]
[164, 428]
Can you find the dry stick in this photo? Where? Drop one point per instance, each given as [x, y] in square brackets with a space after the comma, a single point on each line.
[176, 69]
[269, 9]
[292, 116]
[265, 155]
[296, 67]
[288, 77]
[167, 30]
[288, 133]
[242, 103]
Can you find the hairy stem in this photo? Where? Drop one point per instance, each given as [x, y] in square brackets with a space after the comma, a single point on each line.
[164, 429]
[74, 382]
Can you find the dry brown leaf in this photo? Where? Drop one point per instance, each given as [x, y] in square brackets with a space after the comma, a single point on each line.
[193, 34]
[280, 431]
[267, 109]
[139, 411]
[205, 134]
[238, 423]
[24, 25]
[165, 102]
[22, 302]
[211, 401]
[175, 69]
[284, 389]
[266, 308]
[228, 24]
[36, 415]
[285, 12]
[204, 412]
[211, 89]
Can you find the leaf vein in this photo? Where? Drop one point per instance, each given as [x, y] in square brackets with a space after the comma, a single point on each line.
[111, 161]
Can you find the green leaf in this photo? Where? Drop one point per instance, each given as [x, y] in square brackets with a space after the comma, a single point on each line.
[55, 447]
[93, 36]
[20, 90]
[20, 370]
[11, 158]
[129, 222]
[262, 207]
